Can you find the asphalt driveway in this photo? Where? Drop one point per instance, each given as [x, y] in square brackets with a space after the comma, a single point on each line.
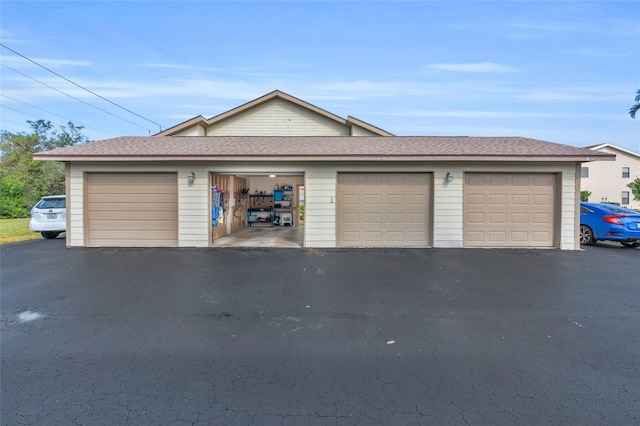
[300, 336]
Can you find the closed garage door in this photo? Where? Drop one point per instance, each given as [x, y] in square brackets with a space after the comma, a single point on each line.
[132, 209]
[509, 209]
[383, 209]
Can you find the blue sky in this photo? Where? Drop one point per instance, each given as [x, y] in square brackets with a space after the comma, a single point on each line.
[563, 71]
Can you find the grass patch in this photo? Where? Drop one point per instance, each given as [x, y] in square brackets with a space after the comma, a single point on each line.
[14, 230]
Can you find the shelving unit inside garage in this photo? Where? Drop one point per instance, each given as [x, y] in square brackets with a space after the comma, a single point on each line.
[283, 205]
[274, 209]
[260, 211]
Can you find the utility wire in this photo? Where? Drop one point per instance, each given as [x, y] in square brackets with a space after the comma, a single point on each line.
[82, 87]
[49, 112]
[73, 97]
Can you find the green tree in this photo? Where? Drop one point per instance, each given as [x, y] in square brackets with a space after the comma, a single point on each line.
[22, 179]
[635, 188]
[636, 107]
[584, 195]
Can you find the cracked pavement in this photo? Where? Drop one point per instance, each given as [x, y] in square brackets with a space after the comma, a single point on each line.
[318, 337]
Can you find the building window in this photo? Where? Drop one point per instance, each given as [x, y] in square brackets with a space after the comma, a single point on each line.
[626, 172]
[584, 172]
[625, 198]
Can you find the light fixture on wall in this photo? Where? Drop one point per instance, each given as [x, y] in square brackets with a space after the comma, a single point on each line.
[449, 177]
[273, 176]
[191, 177]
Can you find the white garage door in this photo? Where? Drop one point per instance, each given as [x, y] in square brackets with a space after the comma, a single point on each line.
[383, 209]
[132, 209]
[509, 209]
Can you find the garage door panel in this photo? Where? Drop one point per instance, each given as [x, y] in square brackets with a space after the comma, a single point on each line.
[497, 237]
[520, 199]
[509, 210]
[372, 179]
[373, 200]
[541, 236]
[476, 199]
[122, 189]
[395, 218]
[131, 198]
[373, 219]
[373, 236]
[397, 199]
[418, 219]
[141, 225]
[522, 218]
[542, 218]
[395, 236]
[118, 216]
[498, 199]
[498, 218]
[542, 200]
[132, 209]
[497, 180]
[392, 209]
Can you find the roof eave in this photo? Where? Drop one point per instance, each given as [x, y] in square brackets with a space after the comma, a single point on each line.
[354, 157]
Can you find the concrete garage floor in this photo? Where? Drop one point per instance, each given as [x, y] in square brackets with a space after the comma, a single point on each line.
[264, 236]
[239, 336]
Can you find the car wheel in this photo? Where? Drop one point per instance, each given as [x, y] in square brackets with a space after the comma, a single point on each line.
[586, 236]
[630, 245]
[50, 235]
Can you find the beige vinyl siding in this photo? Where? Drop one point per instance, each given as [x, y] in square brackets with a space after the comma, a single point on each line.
[278, 117]
[447, 207]
[320, 207]
[320, 189]
[359, 131]
[196, 130]
[75, 206]
[193, 207]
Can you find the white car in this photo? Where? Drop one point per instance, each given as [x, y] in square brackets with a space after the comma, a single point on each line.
[49, 216]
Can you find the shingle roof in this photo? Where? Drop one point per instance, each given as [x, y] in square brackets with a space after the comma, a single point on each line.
[321, 147]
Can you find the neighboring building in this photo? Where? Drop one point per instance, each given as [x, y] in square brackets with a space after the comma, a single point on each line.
[363, 187]
[607, 180]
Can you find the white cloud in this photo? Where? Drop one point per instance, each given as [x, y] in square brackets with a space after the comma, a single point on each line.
[600, 53]
[574, 94]
[473, 67]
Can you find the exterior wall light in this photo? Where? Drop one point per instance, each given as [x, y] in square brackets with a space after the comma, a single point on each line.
[449, 177]
[191, 177]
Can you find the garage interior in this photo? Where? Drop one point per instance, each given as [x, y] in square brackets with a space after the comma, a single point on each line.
[257, 210]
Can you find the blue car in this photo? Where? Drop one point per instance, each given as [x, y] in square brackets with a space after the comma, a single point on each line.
[608, 222]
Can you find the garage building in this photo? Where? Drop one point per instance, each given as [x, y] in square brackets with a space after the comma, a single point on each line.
[362, 186]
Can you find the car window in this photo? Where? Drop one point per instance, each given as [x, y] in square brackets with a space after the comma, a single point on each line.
[613, 209]
[583, 209]
[52, 203]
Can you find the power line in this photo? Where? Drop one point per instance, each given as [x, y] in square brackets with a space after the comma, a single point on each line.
[49, 112]
[73, 97]
[82, 87]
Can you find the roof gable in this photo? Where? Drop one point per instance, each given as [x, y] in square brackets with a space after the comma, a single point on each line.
[215, 125]
[603, 147]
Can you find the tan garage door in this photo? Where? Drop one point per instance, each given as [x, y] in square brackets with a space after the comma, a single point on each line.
[509, 209]
[383, 209]
[132, 209]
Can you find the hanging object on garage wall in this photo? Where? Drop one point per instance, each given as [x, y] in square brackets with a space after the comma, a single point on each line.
[217, 206]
